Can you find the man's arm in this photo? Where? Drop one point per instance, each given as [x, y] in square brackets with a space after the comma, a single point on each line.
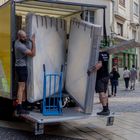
[98, 65]
[95, 68]
[32, 51]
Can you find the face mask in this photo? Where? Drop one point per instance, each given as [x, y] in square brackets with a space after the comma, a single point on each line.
[23, 41]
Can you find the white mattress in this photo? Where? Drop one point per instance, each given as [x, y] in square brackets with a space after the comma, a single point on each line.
[82, 52]
[50, 39]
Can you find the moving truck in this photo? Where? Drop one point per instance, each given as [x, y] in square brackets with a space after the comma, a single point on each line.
[13, 16]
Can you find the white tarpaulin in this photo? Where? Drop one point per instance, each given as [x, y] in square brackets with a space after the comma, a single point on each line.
[82, 53]
[50, 36]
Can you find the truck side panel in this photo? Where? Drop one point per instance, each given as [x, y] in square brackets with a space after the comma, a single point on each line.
[5, 50]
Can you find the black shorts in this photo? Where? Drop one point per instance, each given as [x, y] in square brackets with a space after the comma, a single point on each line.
[102, 85]
[22, 73]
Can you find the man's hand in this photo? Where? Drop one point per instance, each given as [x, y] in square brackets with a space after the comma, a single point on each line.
[32, 51]
[33, 38]
[94, 68]
[98, 65]
[90, 70]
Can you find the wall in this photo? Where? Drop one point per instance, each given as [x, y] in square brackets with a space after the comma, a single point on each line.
[99, 13]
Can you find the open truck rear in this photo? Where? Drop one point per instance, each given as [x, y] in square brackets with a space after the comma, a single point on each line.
[12, 18]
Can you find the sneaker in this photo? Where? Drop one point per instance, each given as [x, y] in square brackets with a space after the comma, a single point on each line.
[104, 113]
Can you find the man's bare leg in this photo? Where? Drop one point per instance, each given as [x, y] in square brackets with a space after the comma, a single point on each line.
[21, 87]
[103, 98]
[24, 99]
[104, 101]
[20, 96]
[24, 96]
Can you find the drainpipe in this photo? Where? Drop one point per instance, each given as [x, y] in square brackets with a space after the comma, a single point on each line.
[112, 31]
[104, 26]
[112, 25]
[113, 9]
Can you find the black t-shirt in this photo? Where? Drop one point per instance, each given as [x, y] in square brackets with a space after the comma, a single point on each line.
[114, 75]
[103, 71]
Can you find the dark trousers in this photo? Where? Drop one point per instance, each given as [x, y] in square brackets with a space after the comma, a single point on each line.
[114, 84]
[113, 88]
[126, 80]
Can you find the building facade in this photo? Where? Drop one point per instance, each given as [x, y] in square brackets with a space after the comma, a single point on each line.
[122, 24]
[125, 27]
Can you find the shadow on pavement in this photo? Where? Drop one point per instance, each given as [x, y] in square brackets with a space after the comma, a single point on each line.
[12, 134]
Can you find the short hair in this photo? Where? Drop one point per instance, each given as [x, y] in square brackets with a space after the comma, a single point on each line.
[21, 32]
[113, 69]
[125, 68]
[133, 66]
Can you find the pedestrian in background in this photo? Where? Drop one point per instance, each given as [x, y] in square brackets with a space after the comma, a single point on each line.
[133, 77]
[114, 76]
[126, 76]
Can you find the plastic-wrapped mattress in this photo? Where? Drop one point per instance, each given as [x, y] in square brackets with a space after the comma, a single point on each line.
[82, 53]
[50, 36]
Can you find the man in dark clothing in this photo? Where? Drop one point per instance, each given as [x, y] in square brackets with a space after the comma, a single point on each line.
[21, 53]
[102, 81]
[114, 76]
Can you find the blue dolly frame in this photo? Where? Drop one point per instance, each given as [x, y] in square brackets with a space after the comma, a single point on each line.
[53, 106]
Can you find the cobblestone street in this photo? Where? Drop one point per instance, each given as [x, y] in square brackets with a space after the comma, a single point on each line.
[125, 101]
[12, 134]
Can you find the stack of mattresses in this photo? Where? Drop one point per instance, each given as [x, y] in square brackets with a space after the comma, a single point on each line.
[82, 53]
[83, 48]
[50, 36]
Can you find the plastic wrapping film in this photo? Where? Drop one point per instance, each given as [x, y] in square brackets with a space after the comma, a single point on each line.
[82, 53]
[50, 36]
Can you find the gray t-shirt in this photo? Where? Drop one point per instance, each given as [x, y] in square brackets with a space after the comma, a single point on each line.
[133, 74]
[20, 56]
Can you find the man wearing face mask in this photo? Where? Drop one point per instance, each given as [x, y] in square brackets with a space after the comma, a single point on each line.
[22, 51]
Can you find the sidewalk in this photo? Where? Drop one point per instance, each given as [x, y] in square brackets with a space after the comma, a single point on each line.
[125, 101]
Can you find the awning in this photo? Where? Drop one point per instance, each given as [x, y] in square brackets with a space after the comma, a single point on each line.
[125, 45]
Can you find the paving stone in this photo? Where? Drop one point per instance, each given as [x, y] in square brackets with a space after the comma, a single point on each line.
[12, 134]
